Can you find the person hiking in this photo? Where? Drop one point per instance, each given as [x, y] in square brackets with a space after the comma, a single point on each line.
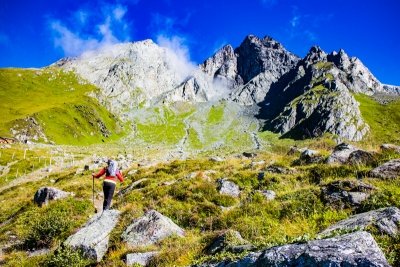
[112, 174]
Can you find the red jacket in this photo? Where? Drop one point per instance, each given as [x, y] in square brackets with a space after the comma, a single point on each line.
[108, 177]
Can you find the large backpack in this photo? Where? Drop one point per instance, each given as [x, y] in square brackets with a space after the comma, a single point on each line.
[112, 168]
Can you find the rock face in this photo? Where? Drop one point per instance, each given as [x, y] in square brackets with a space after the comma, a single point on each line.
[228, 188]
[92, 239]
[341, 153]
[46, 194]
[386, 220]
[230, 241]
[389, 170]
[150, 229]
[316, 97]
[347, 193]
[140, 258]
[355, 249]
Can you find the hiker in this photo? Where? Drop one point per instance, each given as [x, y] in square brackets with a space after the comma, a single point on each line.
[109, 183]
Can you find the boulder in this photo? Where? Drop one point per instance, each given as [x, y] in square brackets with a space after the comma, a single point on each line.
[140, 258]
[388, 170]
[390, 147]
[149, 229]
[386, 221]
[361, 157]
[249, 154]
[309, 156]
[46, 194]
[341, 153]
[355, 249]
[279, 169]
[346, 193]
[92, 239]
[268, 194]
[230, 241]
[228, 188]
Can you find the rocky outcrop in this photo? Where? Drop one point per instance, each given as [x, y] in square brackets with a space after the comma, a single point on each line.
[279, 169]
[92, 239]
[149, 229]
[355, 249]
[46, 194]
[131, 187]
[229, 188]
[230, 241]
[388, 170]
[142, 259]
[386, 221]
[313, 98]
[341, 153]
[346, 193]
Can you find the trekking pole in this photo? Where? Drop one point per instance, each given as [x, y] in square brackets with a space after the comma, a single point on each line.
[93, 190]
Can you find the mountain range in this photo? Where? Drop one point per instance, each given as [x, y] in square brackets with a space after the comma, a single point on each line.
[260, 83]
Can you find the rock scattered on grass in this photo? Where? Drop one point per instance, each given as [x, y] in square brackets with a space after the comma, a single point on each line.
[46, 194]
[140, 258]
[341, 153]
[149, 229]
[388, 170]
[385, 220]
[229, 188]
[92, 239]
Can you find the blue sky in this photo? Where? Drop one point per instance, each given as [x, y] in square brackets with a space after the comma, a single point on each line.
[38, 33]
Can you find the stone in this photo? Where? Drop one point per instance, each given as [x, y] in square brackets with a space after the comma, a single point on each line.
[230, 241]
[346, 193]
[386, 221]
[341, 153]
[249, 155]
[268, 194]
[46, 194]
[140, 258]
[309, 156]
[355, 249]
[229, 188]
[390, 147]
[216, 159]
[388, 170]
[149, 229]
[279, 169]
[361, 157]
[92, 239]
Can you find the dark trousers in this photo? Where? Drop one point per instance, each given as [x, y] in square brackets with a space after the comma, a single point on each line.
[108, 189]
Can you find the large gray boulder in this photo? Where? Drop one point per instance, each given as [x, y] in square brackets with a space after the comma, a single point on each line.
[355, 249]
[361, 157]
[390, 148]
[389, 170]
[229, 188]
[92, 239]
[140, 258]
[149, 229]
[341, 153]
[346, 193]
[386, 221]
[46, 194]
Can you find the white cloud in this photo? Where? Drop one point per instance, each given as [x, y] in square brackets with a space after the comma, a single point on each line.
[106, 28]
[295, 21]
[178, 56]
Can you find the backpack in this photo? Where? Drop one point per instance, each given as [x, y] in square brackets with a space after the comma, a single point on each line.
[112, 168]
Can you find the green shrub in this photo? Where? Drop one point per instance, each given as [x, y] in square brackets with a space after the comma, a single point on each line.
[66, 256]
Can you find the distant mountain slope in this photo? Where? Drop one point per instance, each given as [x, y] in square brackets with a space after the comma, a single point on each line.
[51, 105]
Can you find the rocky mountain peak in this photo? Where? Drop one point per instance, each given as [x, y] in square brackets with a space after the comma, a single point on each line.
[315, 54]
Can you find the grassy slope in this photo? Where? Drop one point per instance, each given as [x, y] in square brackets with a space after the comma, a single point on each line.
[297, 214]
[58, 100]
[384, 120]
